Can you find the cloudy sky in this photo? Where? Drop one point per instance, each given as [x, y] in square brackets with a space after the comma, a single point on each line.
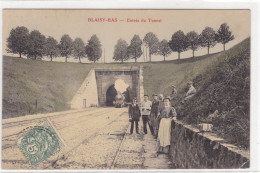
[111, 25]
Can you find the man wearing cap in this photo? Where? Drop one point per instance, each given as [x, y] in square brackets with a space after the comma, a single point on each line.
[191, 92]
[134, 115]
[154, 111]
[146, 110]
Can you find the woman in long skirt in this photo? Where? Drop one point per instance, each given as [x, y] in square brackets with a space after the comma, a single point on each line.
[164, 134]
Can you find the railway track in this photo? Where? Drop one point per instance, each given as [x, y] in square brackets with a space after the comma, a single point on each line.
[88, 139]
[37, 120]
[75, 140]
[119, 149]
[22, 122]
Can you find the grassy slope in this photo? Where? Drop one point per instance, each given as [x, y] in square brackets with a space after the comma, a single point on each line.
[158, 77]
[224, 86]
[53, 84]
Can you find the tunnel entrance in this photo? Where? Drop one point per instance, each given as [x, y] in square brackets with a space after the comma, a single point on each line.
[107, 80]
[99, 87]
[110, 95]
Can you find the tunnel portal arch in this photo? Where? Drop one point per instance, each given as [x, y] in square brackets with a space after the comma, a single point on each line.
[105, 78]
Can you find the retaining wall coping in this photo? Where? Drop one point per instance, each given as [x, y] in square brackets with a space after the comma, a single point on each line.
[215, 138]
[134, 68]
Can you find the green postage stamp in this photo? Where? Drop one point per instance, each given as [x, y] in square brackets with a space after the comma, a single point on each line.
[38, 143]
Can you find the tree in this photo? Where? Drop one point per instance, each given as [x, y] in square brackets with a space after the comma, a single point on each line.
[66, 46]
[179, 42]
[224, 35]
[79, 49]
[152, 42]
[164, 48]
[18, 40]
[207, 38]
[135, 50]
[93, 49]
[193, 40]
[36, 45]
[51, 47]
[120, 52]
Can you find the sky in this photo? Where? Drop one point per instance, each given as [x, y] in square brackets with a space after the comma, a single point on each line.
[111, 25]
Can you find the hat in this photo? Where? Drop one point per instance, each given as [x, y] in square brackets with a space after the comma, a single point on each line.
[145, 95]
[166, 98]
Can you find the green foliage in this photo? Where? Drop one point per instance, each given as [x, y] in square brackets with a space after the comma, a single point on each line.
[152, 42]
[179, 42]
[134, 50]
[51, 48]
[193, 41]
[36, 45]
[120, 52]
[66, 46]
[93, 49]
[18, 40]
[207, 38]
[79, 49]
[164, 49]
[224, 86]
[224, 35]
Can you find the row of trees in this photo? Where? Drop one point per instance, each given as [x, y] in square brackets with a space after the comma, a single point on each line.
[35, 45]
[178, 43]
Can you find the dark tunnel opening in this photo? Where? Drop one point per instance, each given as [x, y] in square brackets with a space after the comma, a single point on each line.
[111, 94]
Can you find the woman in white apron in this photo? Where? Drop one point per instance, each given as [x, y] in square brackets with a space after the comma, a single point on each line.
[165, 117]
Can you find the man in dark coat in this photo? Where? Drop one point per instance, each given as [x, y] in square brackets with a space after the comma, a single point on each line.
[154, 112]
[134, 116]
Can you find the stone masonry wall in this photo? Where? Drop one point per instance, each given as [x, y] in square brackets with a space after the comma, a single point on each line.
[191, 148]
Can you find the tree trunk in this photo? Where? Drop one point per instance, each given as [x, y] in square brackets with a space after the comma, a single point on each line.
[208, 50]
[224, 47]
[135, 59]
[20, 55]
[34, 57]
[150, 56]
[65, 58]
[122, 57]
[146, 54]
[164, 58]
[179, 55]
[79, 60]
[193, 53]
[51, 58]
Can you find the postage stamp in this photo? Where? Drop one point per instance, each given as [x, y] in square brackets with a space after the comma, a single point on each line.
[40, 142]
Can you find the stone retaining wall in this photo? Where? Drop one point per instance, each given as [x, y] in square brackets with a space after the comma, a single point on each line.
[191, 148]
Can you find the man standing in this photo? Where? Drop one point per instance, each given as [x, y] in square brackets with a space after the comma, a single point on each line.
[146, 110]
[134, 116]
[154, 112]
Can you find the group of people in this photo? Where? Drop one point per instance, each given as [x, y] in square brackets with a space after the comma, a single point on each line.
[158, 115]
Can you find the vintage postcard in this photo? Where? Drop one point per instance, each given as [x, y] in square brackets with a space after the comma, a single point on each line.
[118, 89]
